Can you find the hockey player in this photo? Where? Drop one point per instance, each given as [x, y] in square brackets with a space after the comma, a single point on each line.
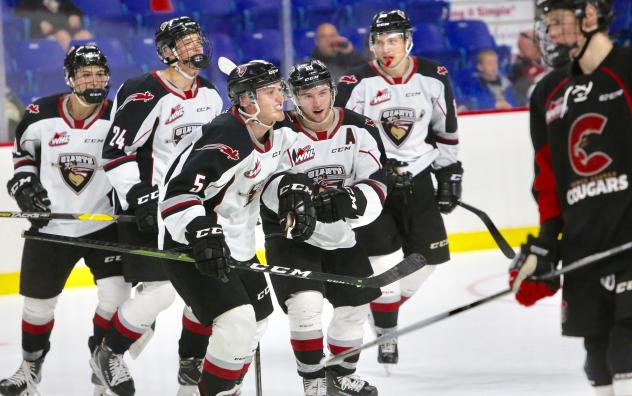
[211, 203]
[153, 113]
[341, 155]
[581, 127]
[57, 167]
[411, 100]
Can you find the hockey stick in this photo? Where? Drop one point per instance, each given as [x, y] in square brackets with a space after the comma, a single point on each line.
[575, 265]
[410, 264]
[225, 65]
[66, 216]
[259, 388]
[498, 238]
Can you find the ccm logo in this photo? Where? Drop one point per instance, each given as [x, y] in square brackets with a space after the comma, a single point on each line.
[437, 245]
[206, 231]
[263, 293]
[112, 259]
[624, 286]
[294, 187]
[148, 197]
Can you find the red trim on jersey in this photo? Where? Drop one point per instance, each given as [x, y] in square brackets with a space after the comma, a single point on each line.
[100, 321]
[616, 78]
[37, 329]
[118, 161]
[220, 372]
[337, 350]
[179, 207]
[79, 124]
[492, 111]
[390, 307]
[120, 327]
[307, 345]
[396, 80]
[546, 186]
[372, 156]
[320, 135]
[376, 187]
[189, 94]
[554, 91]
[196, 328]
[448, 141]
[23, 163]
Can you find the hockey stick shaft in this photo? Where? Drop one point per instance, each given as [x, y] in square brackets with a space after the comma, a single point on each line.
[574, 266]
[406, 267]
[496, 235]
[259, 387]
[66, 216]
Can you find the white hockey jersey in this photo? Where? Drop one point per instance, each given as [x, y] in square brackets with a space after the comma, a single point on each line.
[66, 155]
[349, 153]
[416, 114]
[150, 116]
[222, 174]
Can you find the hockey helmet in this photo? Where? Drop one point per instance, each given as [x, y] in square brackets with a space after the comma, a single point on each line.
[395, 21]
[172, 30]
[245, 79]
[81, 56]
[309, 75]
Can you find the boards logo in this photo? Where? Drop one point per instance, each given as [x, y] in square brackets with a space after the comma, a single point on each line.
[175, 113]
[77, 170]
[397, 129]
[181, 131]
[303, 154]
[59, 139]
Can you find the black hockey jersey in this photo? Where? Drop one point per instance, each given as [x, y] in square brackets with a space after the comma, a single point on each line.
[222, 174]
[66, 154]
[349, 153]
[150, 117]
[416, 114]
[581, 127]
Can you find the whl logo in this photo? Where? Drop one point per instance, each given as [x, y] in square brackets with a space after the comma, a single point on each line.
[59, 139]
[303, 154]
[175, 113]
[383, 95]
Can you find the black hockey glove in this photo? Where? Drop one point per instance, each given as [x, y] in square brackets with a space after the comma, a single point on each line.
[296, 208]
[537, 257]
[338, 204]
[396, 180]
[211, 253]
[30, 195]
[143, 201]
[448, 186]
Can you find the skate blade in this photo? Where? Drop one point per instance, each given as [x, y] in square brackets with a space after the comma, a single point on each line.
[388, 369]
[188, 390]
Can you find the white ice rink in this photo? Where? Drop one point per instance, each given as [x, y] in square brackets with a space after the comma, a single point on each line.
[498, 349]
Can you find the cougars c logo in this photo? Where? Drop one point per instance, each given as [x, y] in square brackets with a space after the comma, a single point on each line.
[587, 163]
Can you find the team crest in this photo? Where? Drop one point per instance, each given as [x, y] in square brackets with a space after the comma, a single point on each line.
[383, 95]
[348, 79]
[181, 131]
[59, 139]
[327, 177]
[397, 123]
[33, 108]
[76, 170]
[303, 154]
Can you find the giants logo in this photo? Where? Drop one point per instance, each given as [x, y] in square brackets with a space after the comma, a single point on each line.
[327, 177]
[585, 129]
[32, 108]
[395, 127]
[183, 130]
[136, 97]
[303, 154]
[231, 153]
[59, 139]
[76, 170]
[176, 112]
[348, 79]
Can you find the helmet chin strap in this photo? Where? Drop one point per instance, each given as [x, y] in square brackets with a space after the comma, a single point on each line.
[82, 102]
[253, 117]
[179, 69]
[588, 36]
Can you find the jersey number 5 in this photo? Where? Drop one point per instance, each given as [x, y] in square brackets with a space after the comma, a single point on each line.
[198, 183]
[119, 137]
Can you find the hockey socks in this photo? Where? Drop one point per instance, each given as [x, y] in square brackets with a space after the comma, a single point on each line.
[308, 351]
[122, 334]
[37, 325]
[194, 337]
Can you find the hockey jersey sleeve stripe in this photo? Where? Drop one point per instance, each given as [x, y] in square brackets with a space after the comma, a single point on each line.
[24, 162]
[379, 165]
[446, 140]
[544, 185]
[617, 79]
[118, 162]
[171, 208]
[379, 188]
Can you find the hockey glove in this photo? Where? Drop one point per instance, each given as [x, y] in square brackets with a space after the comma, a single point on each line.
[143, 201]
[338, 204]
[537, 257]
[296, 209]
[211, 253]
[396, 180]
[30, 195]
[448, 186]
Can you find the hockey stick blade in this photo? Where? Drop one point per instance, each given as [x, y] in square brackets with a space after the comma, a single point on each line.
[407, 266]
[225, 65]
[66, 216]
[574, 266]
[496, 235]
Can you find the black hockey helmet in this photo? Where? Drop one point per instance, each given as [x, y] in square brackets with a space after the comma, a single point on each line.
[309, 75]
[172, 30]
[604, 8]
[81, 56]
[395, 21]
[245, 79]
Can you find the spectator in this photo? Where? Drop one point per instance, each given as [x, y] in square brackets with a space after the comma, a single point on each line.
[54, 19]
[13, 111]
[489, 89]
[528, 67]
[335, 51]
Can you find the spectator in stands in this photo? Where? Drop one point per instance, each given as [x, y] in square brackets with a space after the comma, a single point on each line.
[489, 89]
[335, 51]
[528, 67]
[13, 111]
[54, 19]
